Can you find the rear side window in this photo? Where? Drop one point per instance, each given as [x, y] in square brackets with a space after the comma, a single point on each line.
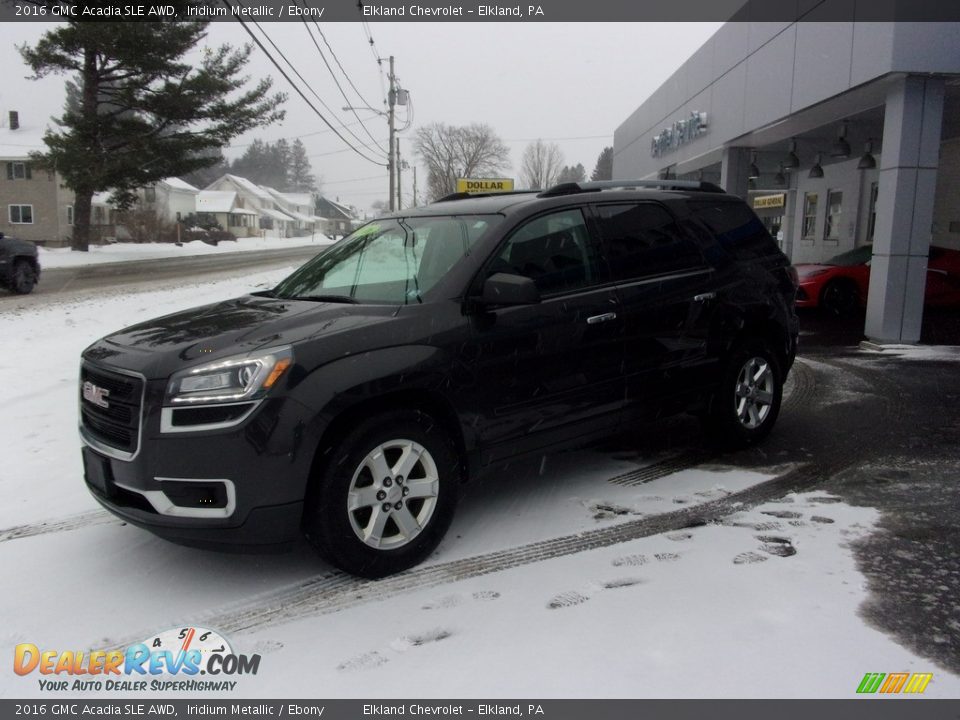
[736, 228]
[643, 240]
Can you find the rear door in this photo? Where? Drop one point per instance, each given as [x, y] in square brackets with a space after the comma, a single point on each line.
[551, 371]
[663, 284]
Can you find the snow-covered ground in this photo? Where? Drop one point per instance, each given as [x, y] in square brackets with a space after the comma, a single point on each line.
[764, 604]
[126, 252]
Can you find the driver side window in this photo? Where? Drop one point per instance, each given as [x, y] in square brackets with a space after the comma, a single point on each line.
[553, 250]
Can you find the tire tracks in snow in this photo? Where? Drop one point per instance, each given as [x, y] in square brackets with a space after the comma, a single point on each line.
[71, 522]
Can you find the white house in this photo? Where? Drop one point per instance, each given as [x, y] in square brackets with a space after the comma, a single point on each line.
[271, 220]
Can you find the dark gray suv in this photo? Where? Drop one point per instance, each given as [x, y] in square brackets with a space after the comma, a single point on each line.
[428, 347]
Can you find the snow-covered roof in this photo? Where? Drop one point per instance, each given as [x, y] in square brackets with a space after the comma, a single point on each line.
[178, 184]
[249, 186]
[275, 214]
[216, 201]
[18, 144]
[300, 216]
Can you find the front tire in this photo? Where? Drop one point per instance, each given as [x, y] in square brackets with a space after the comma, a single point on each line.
[24, 277]
[745, 406]
[385, 496]
[839, 298]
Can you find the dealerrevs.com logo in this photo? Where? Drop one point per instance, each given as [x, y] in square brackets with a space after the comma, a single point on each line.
[172, 661]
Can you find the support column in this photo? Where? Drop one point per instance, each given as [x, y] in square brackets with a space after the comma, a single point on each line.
[735, 171]
[908, 177]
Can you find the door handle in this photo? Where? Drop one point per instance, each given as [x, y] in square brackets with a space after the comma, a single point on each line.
[595, 319]
[703, 297]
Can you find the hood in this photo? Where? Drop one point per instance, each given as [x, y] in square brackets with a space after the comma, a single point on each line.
[234, 327]
[15, 246]
[808, 269]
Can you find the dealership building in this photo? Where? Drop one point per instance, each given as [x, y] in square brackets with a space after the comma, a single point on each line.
[840, 134]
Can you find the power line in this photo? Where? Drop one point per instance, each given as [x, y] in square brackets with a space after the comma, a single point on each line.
[288, 137]
[296, 87]
[339, 65]
[314, 92]
[334, 76]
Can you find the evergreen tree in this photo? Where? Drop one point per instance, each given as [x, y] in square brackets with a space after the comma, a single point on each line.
[604, 168]
[300, 175]
[572, 173]
[144, 113]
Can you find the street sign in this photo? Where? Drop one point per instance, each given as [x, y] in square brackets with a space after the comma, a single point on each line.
[484, 185]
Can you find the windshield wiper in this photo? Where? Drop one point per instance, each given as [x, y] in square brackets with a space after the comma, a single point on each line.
[328, 298]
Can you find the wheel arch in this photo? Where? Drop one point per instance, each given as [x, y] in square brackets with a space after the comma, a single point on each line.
[417, 400]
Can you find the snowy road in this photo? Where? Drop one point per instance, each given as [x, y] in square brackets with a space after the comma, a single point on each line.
[622, 571]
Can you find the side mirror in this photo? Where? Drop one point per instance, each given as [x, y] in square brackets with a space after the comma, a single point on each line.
[507, 289]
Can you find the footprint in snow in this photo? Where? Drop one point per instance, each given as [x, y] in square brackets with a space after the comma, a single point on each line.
[779, 546]
[821, 519]
[264, 647]
[766, 526]
[629, 560]
[452, 601]
[567, 599]
[748, 558]
[679, 536]
[825, 500]
[621, 583]
[797, 523]
[402, 644]
[782, 514]
[367, 661]
[666, 557]
[575, 597]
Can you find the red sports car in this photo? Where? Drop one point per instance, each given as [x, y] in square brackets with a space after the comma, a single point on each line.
[840, 284]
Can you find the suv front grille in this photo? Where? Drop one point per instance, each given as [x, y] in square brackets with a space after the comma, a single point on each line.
[118, 424]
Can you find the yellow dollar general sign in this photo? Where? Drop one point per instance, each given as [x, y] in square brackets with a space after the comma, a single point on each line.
[894, 683]
[484, 185]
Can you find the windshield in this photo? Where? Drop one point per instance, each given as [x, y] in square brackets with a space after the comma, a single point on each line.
[857, 256]
[388, 261]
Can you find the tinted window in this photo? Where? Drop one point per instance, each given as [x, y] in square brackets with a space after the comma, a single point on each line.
[643, 240]
[554, 250]
[736, 228]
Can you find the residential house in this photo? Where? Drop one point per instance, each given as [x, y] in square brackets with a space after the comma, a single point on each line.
[34, 204]
[225, 208]
[300, 207]
[271, 220]
[338, 219]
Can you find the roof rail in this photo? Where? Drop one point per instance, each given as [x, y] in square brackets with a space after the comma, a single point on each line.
[466, 196]
[572, 188]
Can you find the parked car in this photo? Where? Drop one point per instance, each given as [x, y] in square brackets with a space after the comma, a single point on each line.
[840, 284]
[19, 266]
[429, 347]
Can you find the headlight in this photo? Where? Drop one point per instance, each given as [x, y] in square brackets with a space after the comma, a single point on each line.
[244, 377]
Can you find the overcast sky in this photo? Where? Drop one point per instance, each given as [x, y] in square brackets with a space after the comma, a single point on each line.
[556, 81]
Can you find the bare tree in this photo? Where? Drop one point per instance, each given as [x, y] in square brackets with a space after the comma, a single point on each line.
[452, 152]
[541, 164]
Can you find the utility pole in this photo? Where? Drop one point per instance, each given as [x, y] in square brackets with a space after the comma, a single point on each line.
[391, 163]
[399, 166]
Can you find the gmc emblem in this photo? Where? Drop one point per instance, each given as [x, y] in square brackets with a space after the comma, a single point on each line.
[96, 395]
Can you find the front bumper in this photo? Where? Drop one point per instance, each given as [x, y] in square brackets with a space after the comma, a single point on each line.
[238, 488]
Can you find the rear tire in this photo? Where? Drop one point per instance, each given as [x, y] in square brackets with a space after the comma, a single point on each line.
[24, 277]
[385, 495]
[745, 406]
